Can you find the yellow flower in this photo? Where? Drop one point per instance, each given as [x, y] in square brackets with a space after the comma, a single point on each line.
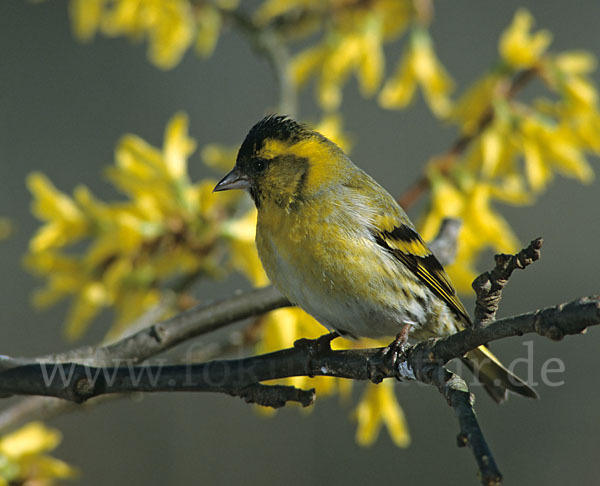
[166, 228]
[585, 130]
[284, 326]
[419, 67]
[580, 91]
[178, 146]
[209, 27]
[378, 407]
[129, 305]
[85, 17]
[547, 147]
[493, 153]
[483, 227]
[90, 300]
[152, 177]
[356, 51]
[6, 228]
[219, 157]
[472, 105]
[575, 62]
[352, 44]
[168, 25]
[518, 48]
[244, 257]
[65, 223]
[568, 73]
[24, 460]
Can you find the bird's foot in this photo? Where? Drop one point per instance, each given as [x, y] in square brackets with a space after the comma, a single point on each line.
[314, 347]
[392, 359]
[396, 350]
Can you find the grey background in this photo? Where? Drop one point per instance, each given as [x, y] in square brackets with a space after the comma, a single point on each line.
[64, 105]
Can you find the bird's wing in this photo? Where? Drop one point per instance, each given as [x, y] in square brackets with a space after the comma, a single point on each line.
[408, 247]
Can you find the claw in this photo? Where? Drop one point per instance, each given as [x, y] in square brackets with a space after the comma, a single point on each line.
[392, 359]
[395, 351]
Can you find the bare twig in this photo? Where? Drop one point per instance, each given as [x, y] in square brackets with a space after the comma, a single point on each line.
[445, 244]
[146, 343]
[45, 408]
[426, 358]
[194, 322]
[271, 45]
[489, 285]
[454, 388]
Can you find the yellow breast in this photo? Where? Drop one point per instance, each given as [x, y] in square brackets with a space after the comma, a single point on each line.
[321, 249]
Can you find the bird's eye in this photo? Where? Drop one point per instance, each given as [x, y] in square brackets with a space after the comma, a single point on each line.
[260, 165]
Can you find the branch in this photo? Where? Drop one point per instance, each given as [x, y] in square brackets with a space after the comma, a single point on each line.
[70, 379]
[42, 377]
[271, 45]
[445, 244]
[194, 322]
[454, 388]
[45, 408]
[144, 344]
[489, 285]
[424, 360]
[553, 323]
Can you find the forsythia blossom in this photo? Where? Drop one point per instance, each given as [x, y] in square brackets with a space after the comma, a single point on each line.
[379, 407]
[483, 227]
[516, 148]
[165, 227]
[284, 326]
[24, 459]
[518, 47]
[419, 67]
[352, 43]
[170, 27]
[5, 228]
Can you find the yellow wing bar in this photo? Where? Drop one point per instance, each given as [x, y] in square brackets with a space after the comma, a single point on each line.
[408, 247]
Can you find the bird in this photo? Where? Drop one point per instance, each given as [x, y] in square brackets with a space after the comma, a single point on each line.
[337, 244]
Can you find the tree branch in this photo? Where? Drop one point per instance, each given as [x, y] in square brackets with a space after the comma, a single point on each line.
[489, 285]
[79, 382]
[445, 244]
[425, 360]
[271, 45]
[44, 408]
[194, 322]
[454, 388]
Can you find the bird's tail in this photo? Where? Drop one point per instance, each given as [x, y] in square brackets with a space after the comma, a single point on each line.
[492, 374]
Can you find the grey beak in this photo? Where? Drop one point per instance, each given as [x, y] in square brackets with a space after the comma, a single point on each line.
[234, 180]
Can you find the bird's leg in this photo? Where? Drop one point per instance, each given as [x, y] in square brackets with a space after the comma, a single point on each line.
[396, 349]
[391, 356]
[315, 346]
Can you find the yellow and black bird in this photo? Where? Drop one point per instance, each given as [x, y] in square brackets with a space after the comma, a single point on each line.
[335, 243]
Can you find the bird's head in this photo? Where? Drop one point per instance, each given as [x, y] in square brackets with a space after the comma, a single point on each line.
[284, 162]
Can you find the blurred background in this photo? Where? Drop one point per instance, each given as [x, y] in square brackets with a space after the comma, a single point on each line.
[63, 107]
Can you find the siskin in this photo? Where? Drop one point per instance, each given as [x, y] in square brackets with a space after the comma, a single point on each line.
[335, 243]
